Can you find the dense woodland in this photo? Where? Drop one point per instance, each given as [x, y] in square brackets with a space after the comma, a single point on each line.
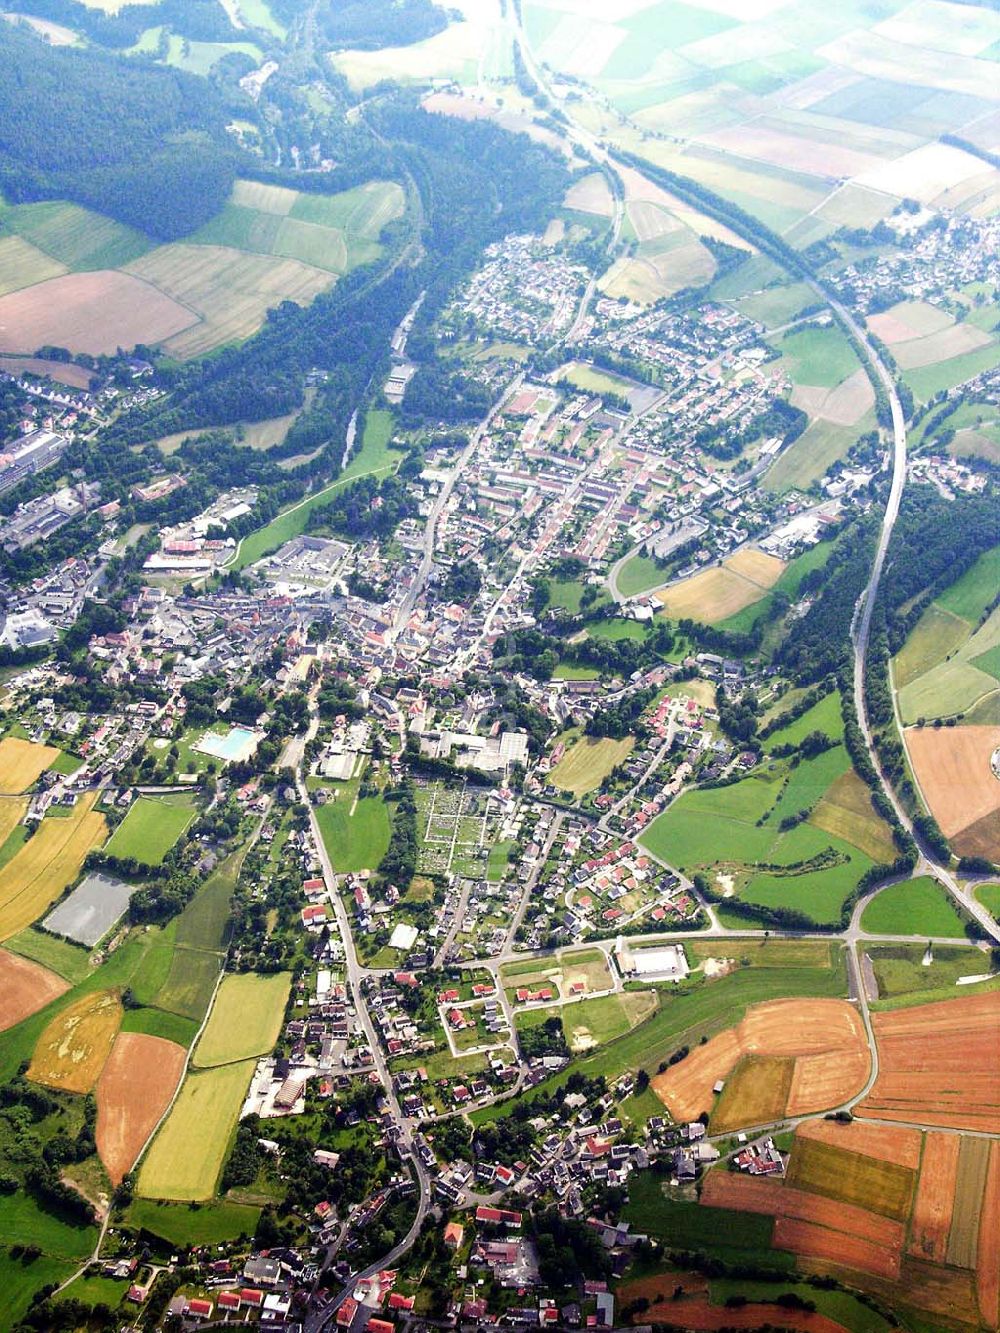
[199, 20]
[145, 144]
[370, 24]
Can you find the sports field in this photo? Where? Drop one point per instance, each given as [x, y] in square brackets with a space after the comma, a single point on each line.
[151, 827]
[186, 1156]
[22, 763]
[245, 1019]
[75, 1045]
[47, 864]
[588, 762]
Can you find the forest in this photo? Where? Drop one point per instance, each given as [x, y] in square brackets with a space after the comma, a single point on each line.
[144, 144]
[199, 20]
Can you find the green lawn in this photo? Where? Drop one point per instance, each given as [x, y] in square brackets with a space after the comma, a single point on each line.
[656, 1210]
[374, 457]
[21, 1278]
[818, 356]
[496, 865]
[638, 575]
[158, 1023]
[849, 1311]
[918, 907]
[96, 1291]
[355, 841]
[71, 961]
[988, 895]
[151, 828]
[65, 763]
[969, 596]
[903, 979]
[824, 716]
[197, 1224]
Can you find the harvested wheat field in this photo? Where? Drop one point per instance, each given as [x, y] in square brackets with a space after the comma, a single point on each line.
[834, 1247]
[938, 1064]
[90, 312]
[932, 1207]
[952, 765]
[591, 195]
[714, 594]
[75, 1046]
[133, 1091]
[988, 1259]
[830, 1029]
[47, 864]
[754, 1194]
[22, 763]
[12, 811]
[25, 987]
[886, 1143]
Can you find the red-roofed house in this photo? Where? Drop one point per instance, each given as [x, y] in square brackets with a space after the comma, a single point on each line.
[252, 1298]
[346, 1313]
[397, 1301]
[228, 1300]
[199, 1309]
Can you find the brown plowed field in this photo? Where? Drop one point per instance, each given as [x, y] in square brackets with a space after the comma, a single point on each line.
[948, 1292]
[970, 1189]
[887, 1143]
[988, 1260]
[830, 1029]
[816, 1242]
[25, 987]
[134, 1090]
[938, 1064]
[952, 765]
[90, 312]
[699, 1314]
[750, 1194]
[935, 1198]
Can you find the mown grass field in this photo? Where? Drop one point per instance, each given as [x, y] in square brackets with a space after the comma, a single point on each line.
[245, 1019]
[588, 762]
[358, 840]
[638, 575]
[824, 716]
[917, 907]
[151, 827]
[179, 1224]
[903, 979]
[186, 1156]
[738, 827]
[657, 1211]
[47, 864]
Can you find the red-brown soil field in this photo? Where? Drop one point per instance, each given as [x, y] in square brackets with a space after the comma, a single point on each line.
[952, 765]
[938, 1064]
[935, 1199]
[25, 987]
[835, 1247]
[750, 1194]
[135, 1088]
[886, 1143]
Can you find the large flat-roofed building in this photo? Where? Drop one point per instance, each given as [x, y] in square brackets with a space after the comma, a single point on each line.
[664, 962]
[28, 455]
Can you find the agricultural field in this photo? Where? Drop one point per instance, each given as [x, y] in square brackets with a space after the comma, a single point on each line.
[715, 594]
[133, 1091]
[22, 763]
[952, 766]
[178, 1224]
[25, 988]
[74, 1047]
[945, 667]
[783, 1065]
[186, 1156]
[45, 865]
[245, 1019]
[917, 907]
[151, 827]
[734, 834]
[588, 762]
[904, 976]
[937, 1064]
[73, 278]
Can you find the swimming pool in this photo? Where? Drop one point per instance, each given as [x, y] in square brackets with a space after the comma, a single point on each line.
[238, 743]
